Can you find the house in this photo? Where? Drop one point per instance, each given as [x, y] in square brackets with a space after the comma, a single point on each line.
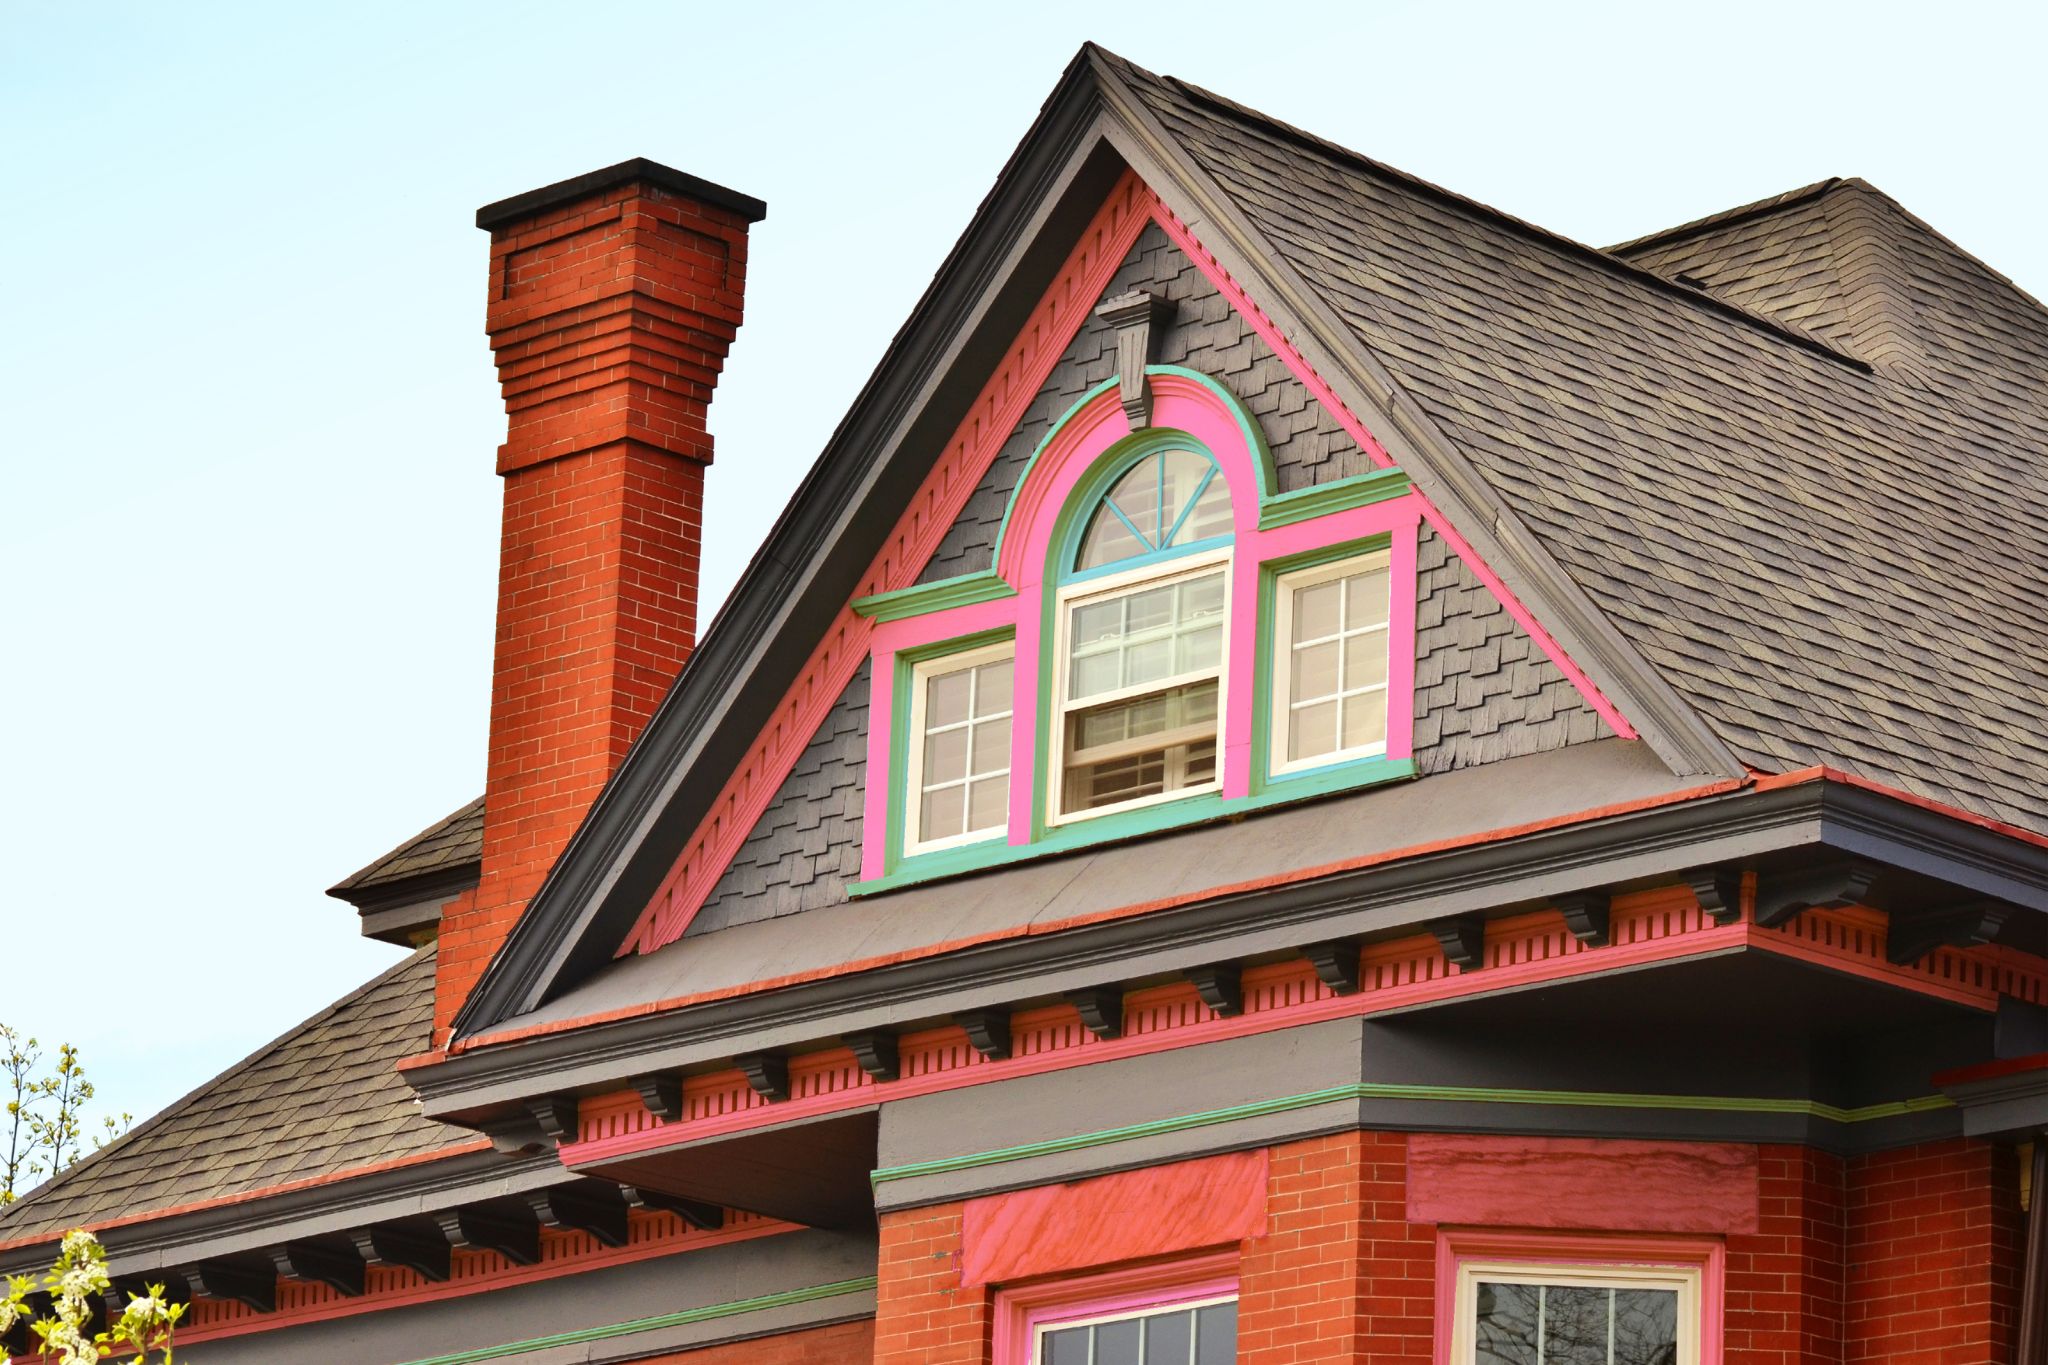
[1316, 773]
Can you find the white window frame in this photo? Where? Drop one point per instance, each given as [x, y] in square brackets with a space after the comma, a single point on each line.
[1041, 1330]
[1281, 722]
[1054, 750]
[921, 674]
[1685, 1280]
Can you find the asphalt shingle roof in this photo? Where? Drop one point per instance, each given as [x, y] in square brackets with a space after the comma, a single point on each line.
[449, 842]
[1834, 562]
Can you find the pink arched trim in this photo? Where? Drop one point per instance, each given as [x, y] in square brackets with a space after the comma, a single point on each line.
[1213, 271]
[1026, 562]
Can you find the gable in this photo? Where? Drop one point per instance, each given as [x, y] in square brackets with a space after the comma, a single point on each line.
[1484, 690]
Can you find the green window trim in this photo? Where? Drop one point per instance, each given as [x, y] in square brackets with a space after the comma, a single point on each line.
[961, 857]
[1266, 662]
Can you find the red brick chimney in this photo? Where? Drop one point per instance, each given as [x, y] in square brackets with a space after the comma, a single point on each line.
[614, 298]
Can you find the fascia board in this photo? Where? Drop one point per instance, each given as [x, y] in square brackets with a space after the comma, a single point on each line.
[1680, 737]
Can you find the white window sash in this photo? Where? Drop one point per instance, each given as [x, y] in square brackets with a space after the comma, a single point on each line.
[1281, 722]
[921, 674]
[1683, 1280]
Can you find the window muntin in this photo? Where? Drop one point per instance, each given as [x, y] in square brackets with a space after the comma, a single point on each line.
[957, 786]
[1140, 682]
[1169, 499]
[1330, 644]
[1577, 1315]
[1199, 1333]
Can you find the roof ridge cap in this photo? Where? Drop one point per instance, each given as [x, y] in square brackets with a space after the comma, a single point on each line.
[69, 1174]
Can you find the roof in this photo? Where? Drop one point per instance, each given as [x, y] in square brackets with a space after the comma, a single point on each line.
[454, 841]
[1835, 563]
[324, 1098]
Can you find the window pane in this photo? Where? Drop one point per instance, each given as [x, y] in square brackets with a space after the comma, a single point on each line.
[1365, 720]
[1575, 1325]
[1137, 493]
[992, 745]
[1313, 731]
[1315, 672]
[1106, 541]
[1216, 1334]
[1505, 1333]
[1315, 611]
[992, 689]
[1148, 662]
[1365, 659]
[1069, 1347]
[945, 698]
[1365, 599]
[1169, 1339]
[1094, 673]
[1116, 1343]
[988, 806]
[1202, 597]
[1095, 622]
[945, 756]
[1150, 608]
[1211, 516]
[1645, 1327]
[942, 813]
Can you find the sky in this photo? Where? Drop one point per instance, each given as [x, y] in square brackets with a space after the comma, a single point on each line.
[248, 416]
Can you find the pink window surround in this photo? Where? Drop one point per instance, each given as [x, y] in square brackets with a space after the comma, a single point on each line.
[1023, 561]
[1126, 1216]
[1581, 1251]
[1021, 1310]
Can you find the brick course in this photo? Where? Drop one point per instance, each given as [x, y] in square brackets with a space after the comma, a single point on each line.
[1784, 1282]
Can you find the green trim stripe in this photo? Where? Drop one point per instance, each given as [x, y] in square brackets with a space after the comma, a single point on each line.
[1454, 1094]
[963, 591]
[1341, 495]
[622, 1329]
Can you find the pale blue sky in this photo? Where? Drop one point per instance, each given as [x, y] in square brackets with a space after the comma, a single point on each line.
[250, 414]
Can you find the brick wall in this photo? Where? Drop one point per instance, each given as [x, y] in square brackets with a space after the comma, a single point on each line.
[922, 1314]
[1933, 1240]
[846, 1343]
[1784, 1290]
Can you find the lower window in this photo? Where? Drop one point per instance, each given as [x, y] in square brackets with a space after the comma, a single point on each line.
[1545, 1314]
[1184, 1334]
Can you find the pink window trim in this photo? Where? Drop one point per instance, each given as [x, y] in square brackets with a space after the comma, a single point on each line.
[1455, 1246]
[1021, 1310]
[1023, 561]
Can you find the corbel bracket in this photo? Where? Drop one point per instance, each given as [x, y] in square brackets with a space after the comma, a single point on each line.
[1137, 317]
[426, 1257]
[1719, 892]
[599, 1211]
[1337, 964]
[1911, 937]
[1101, 1009]
[1831, 885]
[988, 1030]
[767, 1072]
[876, 1051]
[1463, 939]
[339, 1270]
[703, 1217]
[663, 1096]
[1589, 915]
[516, 1237]
[1221, 986]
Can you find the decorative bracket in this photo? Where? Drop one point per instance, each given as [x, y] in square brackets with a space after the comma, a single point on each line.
[341, 1271]
[1719, 892]
[515, 1133]
[876, 1051]
[1589, 915]
[1136, 316]
[1101, 1009]
[1337, 964]
[598, 1211]
[767, 1072]
[663, 1096]
[1463, 940]
[988, 1030]
[703, 1217]
[556, 1115]
[220, 1280]
[515, 1238]
[426, 1257]
[1827, 885]
[1221, 986]
[1911, 937]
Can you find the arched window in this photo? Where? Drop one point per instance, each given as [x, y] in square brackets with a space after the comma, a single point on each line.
[1141, 622]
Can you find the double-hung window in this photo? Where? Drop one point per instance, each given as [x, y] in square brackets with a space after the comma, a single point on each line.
[1184, 1334]
[1141, 625]
[958, 783]
[1571, 1315]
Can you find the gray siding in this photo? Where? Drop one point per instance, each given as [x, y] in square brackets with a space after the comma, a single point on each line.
[1207, 335]
[806, 846]
[1483, 690]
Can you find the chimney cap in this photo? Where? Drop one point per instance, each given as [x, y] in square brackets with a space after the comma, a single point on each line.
[535, 202]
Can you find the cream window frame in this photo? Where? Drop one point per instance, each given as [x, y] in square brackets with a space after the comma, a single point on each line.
[921, 674]
[1685, 1280]
[1281, 721]
[1054, 749]
[1040, 1331]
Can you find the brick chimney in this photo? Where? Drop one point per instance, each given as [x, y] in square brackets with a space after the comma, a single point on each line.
[614, 298]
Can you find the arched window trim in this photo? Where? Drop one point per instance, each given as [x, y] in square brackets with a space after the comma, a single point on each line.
[1080, 456]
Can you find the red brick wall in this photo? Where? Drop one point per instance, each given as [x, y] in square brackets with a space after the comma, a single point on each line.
[1341, 1274]
[1784, 1290]
[1933, 1254]
[848, 1343]
[922, 1315]
[610, 318]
